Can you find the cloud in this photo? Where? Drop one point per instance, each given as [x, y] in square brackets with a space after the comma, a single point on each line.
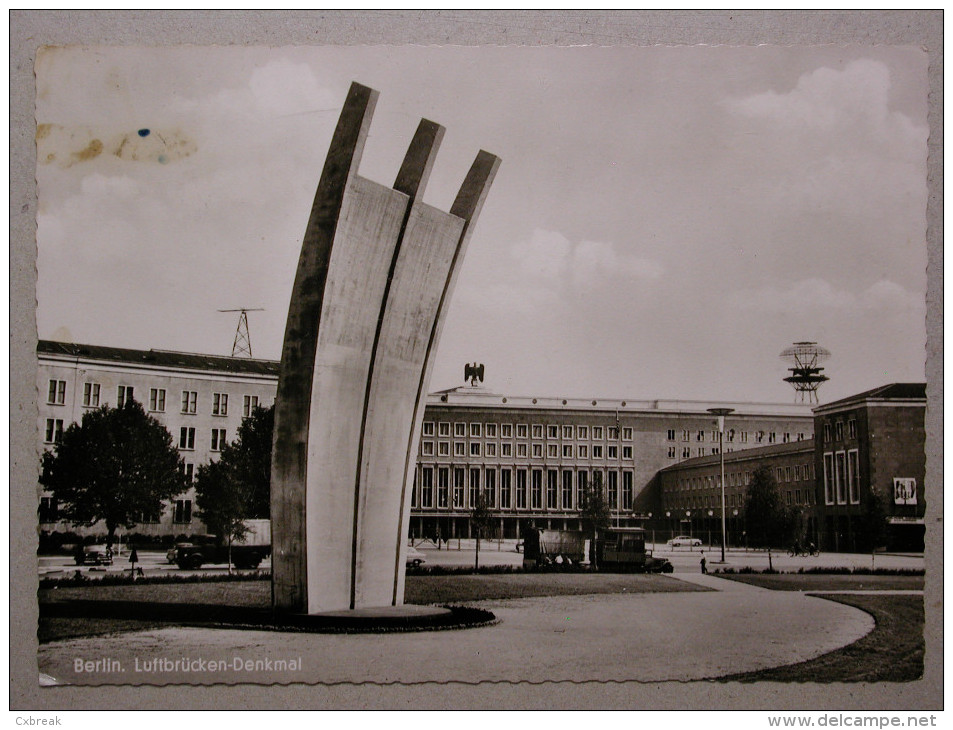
[551, 255]
[818, 295]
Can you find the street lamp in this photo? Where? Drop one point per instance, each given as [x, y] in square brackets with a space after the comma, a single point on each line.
[721, 413]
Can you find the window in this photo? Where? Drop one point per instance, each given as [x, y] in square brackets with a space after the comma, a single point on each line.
[188, 472]
[582, 432]
[490, 430]
[460, 429]
[800, 436]
[537, 451]
[597, 451]
[218, 439]
[474, 448]
[189, 399]
[613, 433]
[49, 509]
[443, 486]
[779, 474]
[787, 473]
[772, 437]
[520, 451]
[786, 438]
[627, 433]
[490, 449]
[219, 404]
[474, 487]
[671, 452]
[459, 476]
[506, 450]
[828, 478]
[827, 433]
[839, 431]
[459, 448]
[57, 394]
[852, 428]
[521, 489]
[537, 431]
[627, 452]
[759, 437]
[182, 513]
[612, 480]
[91, 395]
[568, 432]
[54, 430]
[686, 435]
[506, 488]
[443, 448]
[552, 432]
[426, 487]
[428, 427]
[552, 451]
[730, 435]
[567, 489]
[744, 437]
[700, 436]
[582, 479]
[443, 428]
[157, 399]
[552, 489]
[506, 430]
[840, 476]
[475, 430]
[597, 432]
[582, 451]
[426, 448]
[186, 438]
[567, 451]
[670, 435]
[613, 451]
[626, 490]
[536, 490]
[489, 488]
[853, 477]
[521, 430]
[714, 436]
[124, 394]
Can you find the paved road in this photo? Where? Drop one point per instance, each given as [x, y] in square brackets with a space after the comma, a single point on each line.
[642, 637]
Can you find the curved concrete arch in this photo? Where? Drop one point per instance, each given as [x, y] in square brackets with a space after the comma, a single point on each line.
[376, 270]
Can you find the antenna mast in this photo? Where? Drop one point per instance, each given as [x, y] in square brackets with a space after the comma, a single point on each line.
[242, 344]
[805, 359]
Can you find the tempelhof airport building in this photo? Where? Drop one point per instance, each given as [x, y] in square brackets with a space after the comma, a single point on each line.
[532, 457]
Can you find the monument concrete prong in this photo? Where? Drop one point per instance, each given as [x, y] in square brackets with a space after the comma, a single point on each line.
[376, 271]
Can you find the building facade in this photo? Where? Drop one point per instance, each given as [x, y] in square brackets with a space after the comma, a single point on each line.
[871, 444]
[531, 457]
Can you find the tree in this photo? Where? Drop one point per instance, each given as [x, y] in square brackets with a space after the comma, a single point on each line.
[480, 520]
[114, 466]
[767, 520]
[594, 513]
[237, 487]
[872, 526]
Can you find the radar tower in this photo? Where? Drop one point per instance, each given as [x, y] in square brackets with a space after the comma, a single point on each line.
[242, 344]
[804, 359]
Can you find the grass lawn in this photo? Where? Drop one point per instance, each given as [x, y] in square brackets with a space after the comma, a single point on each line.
[91, 610]
[892, 652]
[822, 582]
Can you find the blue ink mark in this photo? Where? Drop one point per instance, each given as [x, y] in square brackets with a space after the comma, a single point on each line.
[144, 132]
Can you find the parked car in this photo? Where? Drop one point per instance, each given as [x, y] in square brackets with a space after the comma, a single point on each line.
[173, 555]
[683, 540]
[94, 555]
[415, 558]
[658, 565]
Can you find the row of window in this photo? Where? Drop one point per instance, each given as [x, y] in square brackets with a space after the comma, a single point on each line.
[553, 451]
[838, 430]
[790, 473]
[842, 477]
[523, 431]
[217, 439]
[792, 497]
[521, 489]
[688, 453]
[157, 398]
[181, 512]
[731, 435]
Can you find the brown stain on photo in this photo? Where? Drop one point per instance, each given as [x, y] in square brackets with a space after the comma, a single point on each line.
[93, 149]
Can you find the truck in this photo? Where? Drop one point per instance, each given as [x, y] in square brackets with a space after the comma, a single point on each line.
[618, 549]
[245, 553]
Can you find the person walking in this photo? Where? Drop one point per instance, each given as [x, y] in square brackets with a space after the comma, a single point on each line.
[134, 558]
[704, 564]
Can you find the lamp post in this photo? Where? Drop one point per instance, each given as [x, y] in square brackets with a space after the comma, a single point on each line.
[721, 413]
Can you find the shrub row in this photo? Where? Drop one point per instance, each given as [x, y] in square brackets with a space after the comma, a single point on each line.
[822, 571]
[125, 579]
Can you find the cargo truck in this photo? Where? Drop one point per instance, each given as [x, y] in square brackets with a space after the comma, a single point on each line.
[246, 553]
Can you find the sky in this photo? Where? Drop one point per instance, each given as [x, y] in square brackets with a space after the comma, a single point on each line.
[665, 220]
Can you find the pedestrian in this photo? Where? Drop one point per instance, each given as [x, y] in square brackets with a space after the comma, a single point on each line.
[134, 558]
[704, 564]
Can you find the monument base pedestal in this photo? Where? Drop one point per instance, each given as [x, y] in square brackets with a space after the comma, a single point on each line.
[407, 617]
